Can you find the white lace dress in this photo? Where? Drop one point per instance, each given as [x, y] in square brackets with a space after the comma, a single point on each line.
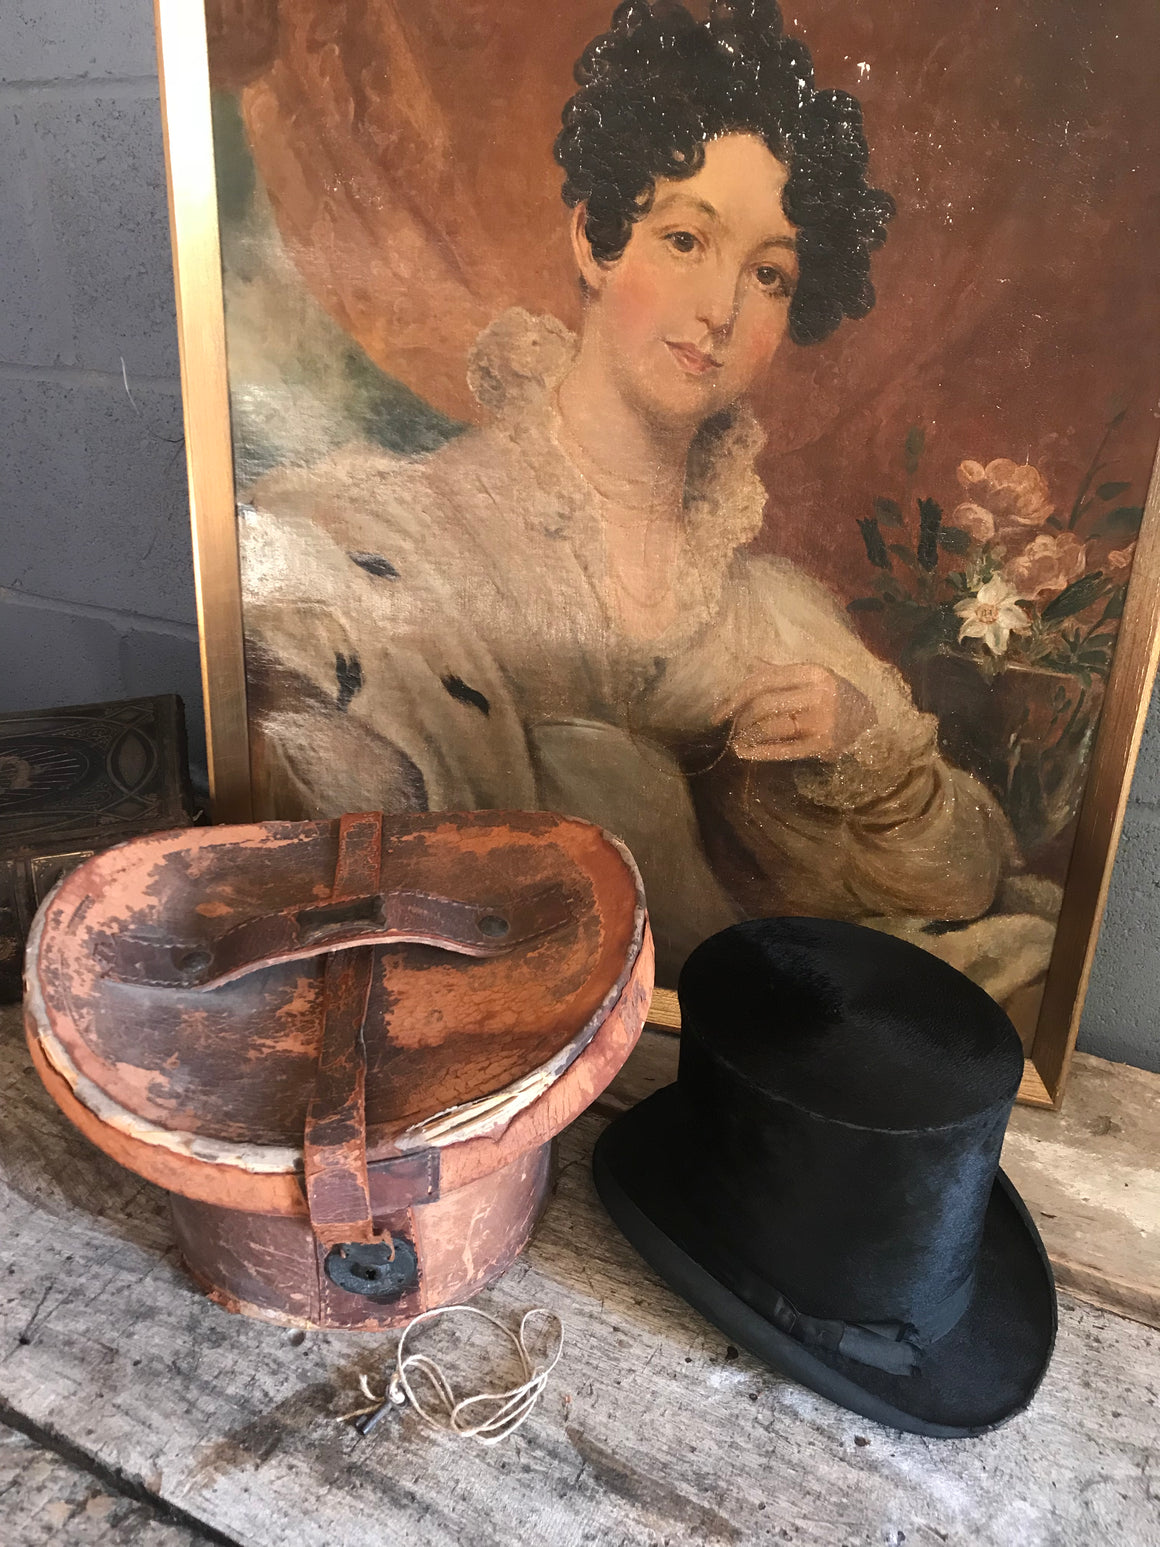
[434, 632]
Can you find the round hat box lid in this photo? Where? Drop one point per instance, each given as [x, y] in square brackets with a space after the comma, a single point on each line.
[175, 988]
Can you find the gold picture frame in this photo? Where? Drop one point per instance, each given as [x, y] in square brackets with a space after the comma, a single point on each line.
[189, 153]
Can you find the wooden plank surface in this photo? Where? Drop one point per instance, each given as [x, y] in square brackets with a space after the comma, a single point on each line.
[1090, 1174]
[653, 1431]
[46, 1501]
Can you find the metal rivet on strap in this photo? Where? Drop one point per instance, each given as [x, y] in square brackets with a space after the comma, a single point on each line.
[191, 962]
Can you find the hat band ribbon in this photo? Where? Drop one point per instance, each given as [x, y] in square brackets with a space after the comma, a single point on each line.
[894, 1346]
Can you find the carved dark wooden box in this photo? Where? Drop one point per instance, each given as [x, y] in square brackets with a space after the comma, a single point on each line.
[72, 782]
[344, 1046]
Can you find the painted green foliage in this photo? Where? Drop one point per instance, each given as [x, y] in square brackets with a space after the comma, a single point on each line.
[1002, 608]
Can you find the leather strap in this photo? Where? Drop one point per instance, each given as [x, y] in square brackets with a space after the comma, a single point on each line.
[360, 856]
[354, 916]
[358, 916]
[335, 1143]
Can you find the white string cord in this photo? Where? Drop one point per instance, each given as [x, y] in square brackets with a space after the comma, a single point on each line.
[486, 1416]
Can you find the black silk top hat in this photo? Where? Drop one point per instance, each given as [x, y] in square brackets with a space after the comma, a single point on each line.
[822, 1182]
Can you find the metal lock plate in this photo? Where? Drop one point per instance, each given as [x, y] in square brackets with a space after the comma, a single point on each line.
[381, 1271]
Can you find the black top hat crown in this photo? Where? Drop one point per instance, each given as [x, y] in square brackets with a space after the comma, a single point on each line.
[823, 1179]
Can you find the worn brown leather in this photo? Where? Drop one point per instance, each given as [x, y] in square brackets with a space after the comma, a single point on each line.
[357, 913]
[335, 1147]
[335, 1141]
[238, 1062]
[203, 999]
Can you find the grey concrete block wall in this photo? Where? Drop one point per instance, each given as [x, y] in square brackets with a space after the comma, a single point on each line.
[90, 167]
[96, 578]
[1120, 1014]
[96, 584]
[86, 655]
[1121, 1017]
[108, 521]
[58, 40]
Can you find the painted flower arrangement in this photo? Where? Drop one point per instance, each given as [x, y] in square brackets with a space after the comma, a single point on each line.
[1001, 607]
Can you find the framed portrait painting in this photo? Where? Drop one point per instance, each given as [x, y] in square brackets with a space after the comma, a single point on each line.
[732, 425]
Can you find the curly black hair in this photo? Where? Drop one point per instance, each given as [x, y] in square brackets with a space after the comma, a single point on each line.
[658, 85]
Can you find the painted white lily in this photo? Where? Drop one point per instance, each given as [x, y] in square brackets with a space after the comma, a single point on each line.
[992, 615]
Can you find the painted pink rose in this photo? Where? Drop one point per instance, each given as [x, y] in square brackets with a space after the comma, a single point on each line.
[1015, 493]
[974, 520]
[1121, 558]
[1046, 565]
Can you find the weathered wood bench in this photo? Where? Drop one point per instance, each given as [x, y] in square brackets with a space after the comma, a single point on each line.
[139, 1413]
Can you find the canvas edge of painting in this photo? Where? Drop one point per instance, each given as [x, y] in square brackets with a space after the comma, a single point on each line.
[189, 162]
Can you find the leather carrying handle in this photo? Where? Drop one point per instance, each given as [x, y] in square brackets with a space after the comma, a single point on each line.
[358, 916]
[354, 916]
[335, 1142]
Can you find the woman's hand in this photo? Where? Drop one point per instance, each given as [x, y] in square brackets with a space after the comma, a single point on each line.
[783, 713]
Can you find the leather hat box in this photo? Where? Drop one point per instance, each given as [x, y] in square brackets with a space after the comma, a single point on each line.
[343, 1046]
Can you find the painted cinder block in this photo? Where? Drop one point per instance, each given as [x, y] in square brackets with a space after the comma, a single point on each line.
[152, 662]
[53, 658]
[1121, 1018]
[52, 40]
[93, 491]
[1146, 780]
[36, 306]
[87, 175]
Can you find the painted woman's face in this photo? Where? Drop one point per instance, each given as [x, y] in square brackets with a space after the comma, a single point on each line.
[692, 311]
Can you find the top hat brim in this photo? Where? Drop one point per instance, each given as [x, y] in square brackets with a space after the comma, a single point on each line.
[981, 1373]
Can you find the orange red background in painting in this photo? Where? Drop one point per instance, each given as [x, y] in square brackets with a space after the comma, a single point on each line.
[406, 149]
